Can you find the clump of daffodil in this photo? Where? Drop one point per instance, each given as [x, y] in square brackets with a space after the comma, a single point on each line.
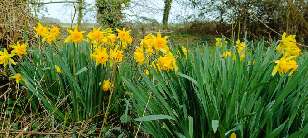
[52, 34]
[125, 37]
[17, 77]
[240, 47]
[116, 55]
[6, 58]
[19, 49]
[96, 36]
[288, 46]
[226, 54]
[285, 65]
[100, 55]
[289, 50]
[111, 38]
[148, 44]
[139, 55]
[219, 42]
[166, 63]
[161, 43]
[106, 85]
[58, 69]
[75, 36]
[40, 30]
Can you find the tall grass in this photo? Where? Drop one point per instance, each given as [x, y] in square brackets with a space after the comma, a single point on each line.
[211, 96]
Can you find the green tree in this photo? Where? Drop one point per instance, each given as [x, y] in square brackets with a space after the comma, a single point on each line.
[80, 8]
[166, 13]
[258, 17]
[109, 12]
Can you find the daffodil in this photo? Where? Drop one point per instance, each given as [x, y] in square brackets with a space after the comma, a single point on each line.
[125, 37]
[52, 35]
[41, 30]
[226, 54]
[233, 135]
[75, 36]
[285, 65]
[111, 38]
[161, 43]
[148, 44]
[100, 55]
[6, 58]
[116, 55]
[166, 63]
[19, 49]
[218, 42]
[146, 72]
[17, 77]
[241, 46]
[58, 69]
[96, 36]
[139, 55]
[106, 85]
[288, 46]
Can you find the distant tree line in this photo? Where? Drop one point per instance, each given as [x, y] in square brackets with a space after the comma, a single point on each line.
[259, 17]
[252, 17]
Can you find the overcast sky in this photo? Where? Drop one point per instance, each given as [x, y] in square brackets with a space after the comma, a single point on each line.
[138, 8]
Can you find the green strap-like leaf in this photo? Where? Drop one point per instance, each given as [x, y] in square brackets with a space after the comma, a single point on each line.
[153, 118]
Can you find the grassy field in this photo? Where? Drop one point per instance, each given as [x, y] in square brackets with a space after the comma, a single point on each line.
[107, 83]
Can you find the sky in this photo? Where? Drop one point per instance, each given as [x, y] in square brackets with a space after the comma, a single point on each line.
[138, 8]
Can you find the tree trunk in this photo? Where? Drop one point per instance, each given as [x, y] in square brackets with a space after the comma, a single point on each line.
[80, 11]
[167, 9]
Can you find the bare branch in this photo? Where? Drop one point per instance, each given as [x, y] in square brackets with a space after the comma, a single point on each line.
[52, 2]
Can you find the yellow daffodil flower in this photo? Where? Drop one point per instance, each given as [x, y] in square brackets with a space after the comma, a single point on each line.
[226, 54]
[106, 86]
[40, 30]
[139, 55]
[75, 36]
[58, 69]
[100, 55]
[161, 43]
[6, 58]
[166, 63]
[288, 46]
[233, 135]
[19, 49]
[285, 65]
[17, 77]
[96, 36]
[52, 35]
[125, 37]
[116, 55]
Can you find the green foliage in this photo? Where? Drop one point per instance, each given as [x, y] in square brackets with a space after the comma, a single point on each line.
[209, 92]
[109, 12]
[75, 94]
[255, 16]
